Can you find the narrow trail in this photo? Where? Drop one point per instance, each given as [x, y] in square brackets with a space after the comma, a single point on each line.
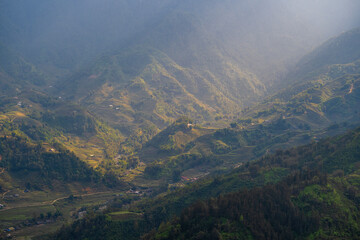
[58, 199]
[3, 196]
[81, 195]
[351, 88]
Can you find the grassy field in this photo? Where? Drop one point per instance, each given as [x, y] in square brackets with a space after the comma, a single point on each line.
[28, 211]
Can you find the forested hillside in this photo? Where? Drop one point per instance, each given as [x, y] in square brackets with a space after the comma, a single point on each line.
[169, 119]
[295, 208]
[56, 163]
[304, 182]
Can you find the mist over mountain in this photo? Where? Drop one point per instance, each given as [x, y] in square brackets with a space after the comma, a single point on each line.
[140, 65]
[117, 116]
[263, 36]
[223, 55]
[343, 49]
[66, 32]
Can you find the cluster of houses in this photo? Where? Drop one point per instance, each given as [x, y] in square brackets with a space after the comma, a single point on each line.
[22, 105]
[8, 230]
[193, 179]
[133, 191]
[81, 214]
[186, 179]
[112, 106]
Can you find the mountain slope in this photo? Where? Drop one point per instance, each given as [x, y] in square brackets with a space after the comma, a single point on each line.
[40, 118]
[16, 67]
[19, 156]
[214, 57]
[176, 70]
[343, 49]
[264, 36]
[330, 155]
[324, 105]
[323, 90]
[307, 195]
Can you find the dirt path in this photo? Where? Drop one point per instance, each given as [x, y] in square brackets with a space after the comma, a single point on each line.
[3, 196]
[81, 195]
[351, 88]
[54, 201]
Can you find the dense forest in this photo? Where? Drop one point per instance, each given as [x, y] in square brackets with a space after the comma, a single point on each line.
[296, 208]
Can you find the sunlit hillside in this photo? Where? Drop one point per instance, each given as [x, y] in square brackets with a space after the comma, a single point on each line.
[179, 119]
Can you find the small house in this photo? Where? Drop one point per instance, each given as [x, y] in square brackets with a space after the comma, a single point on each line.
[10, 229]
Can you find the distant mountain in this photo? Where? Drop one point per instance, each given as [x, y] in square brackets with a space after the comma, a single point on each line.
[204, 59]
[323, 104]
[265, 36]
[22, 72]
[60, 36]
[324, 88]
[343, 49]
[158, 94]
[175, 70]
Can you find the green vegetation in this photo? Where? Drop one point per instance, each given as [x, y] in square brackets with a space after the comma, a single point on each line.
[17, 155]
[45, 120]
[323, 101]
[146, 88]
[338, 52]
[301, 199]
[310, 198]
[187, 147]
[295, 208]
[18, 68]
[322, 91]
[125, 216]
[320, 105]
[169, 118]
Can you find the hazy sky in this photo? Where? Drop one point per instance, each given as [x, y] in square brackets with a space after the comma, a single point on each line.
[327, 15]
[68, 32]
